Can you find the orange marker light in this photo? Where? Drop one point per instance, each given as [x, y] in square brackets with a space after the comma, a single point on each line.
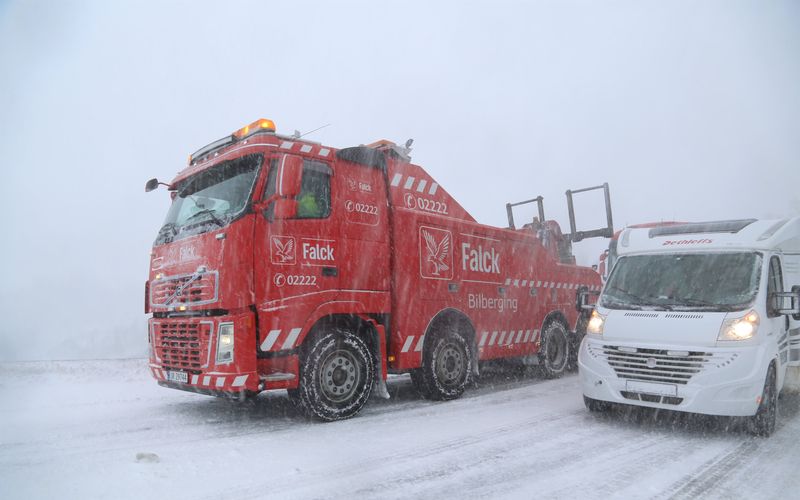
[256, 126]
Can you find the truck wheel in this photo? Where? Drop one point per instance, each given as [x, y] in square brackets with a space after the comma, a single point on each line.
[554, 351]
[336, 376]
[763, 422]
[575, 343]
[446, 368]
[595, 405]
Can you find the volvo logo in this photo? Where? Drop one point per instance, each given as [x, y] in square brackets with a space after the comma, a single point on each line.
[651, 362]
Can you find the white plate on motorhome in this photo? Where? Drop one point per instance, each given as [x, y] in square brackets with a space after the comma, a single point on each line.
[181, 377]
[651, 388]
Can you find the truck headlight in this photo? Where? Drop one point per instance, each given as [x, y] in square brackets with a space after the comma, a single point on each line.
[596, 323]
[739, 328]
[225, 344]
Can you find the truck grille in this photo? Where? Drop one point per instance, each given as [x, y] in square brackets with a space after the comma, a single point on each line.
[182, 345]
[187, 289]
[657, 365]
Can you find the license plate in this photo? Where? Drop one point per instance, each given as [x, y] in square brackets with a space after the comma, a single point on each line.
[651, 388]
[181, 377]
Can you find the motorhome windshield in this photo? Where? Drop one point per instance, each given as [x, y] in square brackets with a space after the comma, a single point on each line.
[707, 282]
[210, 199]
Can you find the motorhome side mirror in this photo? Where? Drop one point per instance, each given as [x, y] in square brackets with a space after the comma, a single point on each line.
[151, 185]
[290, 176]
[788, 303]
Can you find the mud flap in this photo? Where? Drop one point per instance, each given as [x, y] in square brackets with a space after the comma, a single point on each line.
[379, 341]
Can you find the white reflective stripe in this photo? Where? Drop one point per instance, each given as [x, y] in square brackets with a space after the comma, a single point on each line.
[194, 379]
[519, 337]
[206, 380]
[535, 335]
[524, 282]
[552, 284]
[409, 183]
[531, 283]
[220, 381]
[516, 282]
[419, 343]
[272, 336]
[291, 339]
[494, 336]
[287, 145]
[483, 339]
[538, 283]
[421, 185]
[502, 338]
[396, 180]
[432, 190]
[572, 286]
[508, 281]
[240, 380]
[527, 336]
[407, 344]
[559, 285]
[305, 149]
[324, 151]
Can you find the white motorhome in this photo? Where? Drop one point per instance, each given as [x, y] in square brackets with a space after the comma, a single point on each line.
[701, 318]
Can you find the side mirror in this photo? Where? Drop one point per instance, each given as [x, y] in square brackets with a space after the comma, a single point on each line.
[788, 303]
[290, 176]
[582, 297]
[151, 185]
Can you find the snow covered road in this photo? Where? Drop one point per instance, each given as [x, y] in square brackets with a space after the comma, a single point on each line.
[104, 429]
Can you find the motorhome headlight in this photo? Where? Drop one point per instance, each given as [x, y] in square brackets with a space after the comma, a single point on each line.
[225, 343]
[739, 328]
[596, 323]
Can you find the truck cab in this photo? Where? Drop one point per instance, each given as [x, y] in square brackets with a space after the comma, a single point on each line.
[701, 318]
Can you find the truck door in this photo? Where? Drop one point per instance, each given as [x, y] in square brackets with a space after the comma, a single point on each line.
[298, 254]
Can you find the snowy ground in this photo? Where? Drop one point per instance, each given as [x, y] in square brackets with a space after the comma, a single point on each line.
[104, 429]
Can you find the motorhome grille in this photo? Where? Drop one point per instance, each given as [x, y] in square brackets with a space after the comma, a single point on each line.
[181, 345]
[188, 289]
[651, 398]
[653, 365]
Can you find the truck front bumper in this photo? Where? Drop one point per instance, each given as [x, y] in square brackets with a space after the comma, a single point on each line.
[183, 355]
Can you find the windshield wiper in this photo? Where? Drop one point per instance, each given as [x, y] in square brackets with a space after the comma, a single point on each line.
[206, 211]
[636, 300]
[171, 226]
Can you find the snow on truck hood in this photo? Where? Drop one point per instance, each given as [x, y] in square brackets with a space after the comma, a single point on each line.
[679, 328]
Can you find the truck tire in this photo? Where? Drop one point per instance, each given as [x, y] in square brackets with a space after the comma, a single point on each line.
[763, 422]
[336, 376]
[446, 368]
[595, 405]
[554, 351]
[575, 343]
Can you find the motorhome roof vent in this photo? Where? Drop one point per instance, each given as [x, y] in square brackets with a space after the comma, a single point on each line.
[723, 226]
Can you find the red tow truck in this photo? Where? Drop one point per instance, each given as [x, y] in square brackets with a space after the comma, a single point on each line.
[287, 264]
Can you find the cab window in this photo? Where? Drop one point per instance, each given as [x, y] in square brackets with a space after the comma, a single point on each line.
[314, 200]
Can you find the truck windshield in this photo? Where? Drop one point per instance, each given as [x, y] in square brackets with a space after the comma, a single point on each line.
[210, 199]
[706, 282]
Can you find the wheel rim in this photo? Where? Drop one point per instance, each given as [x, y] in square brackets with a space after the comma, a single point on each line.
[450, 365]
[340, 376]
[556, 350]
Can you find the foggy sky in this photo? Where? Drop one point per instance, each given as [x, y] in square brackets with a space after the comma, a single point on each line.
[689, 110]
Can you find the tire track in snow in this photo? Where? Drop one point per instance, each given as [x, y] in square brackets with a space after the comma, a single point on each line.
[712, 472]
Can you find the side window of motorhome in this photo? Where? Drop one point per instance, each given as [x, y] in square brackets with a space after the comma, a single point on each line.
[774, 284]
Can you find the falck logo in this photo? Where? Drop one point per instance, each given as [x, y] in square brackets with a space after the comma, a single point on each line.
[283, 250]
[436, 253]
